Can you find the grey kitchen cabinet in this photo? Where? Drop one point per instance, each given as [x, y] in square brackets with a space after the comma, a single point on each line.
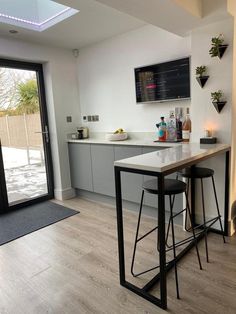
[92, 169]
[151, 200]
[80, 165]
[103, 169]
[131, 182]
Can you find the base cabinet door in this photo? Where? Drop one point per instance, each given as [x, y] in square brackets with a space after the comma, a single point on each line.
[131, 182]
[80, 165]
[103, 169]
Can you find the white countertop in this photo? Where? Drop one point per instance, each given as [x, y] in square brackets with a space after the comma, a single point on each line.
[131, 142]
[169, 158]
[134, 139]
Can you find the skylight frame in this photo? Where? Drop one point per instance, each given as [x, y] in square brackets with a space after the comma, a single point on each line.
[38, 26]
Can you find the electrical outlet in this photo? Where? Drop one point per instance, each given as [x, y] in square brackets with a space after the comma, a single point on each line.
[68, 119]
[92, 118]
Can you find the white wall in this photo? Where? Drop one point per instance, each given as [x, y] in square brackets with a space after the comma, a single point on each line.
[220, 72]
[62, 100]
[203, 112]
[106, 78]
[106, 81]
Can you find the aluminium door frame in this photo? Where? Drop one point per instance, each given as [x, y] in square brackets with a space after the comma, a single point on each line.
[38, 68]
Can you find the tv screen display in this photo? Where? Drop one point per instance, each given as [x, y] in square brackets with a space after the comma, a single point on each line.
[163, 81]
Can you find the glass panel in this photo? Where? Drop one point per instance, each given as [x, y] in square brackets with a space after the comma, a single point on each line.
[21, 135]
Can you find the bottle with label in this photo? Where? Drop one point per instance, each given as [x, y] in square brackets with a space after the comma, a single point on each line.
[186, 128]
[179, 126]
[162, 130]
[171, 130]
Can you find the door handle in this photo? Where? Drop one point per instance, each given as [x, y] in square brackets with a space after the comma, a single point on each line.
[44, 132]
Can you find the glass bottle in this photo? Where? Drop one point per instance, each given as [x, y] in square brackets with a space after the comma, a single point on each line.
[162, 130]
[186, 128]
[179, 126]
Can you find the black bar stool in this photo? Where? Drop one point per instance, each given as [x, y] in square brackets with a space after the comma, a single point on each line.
[203, 173]
[172, 187]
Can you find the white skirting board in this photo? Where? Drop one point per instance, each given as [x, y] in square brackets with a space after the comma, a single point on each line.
[64, 194]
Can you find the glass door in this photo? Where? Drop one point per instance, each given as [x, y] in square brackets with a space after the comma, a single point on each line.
[25, 159]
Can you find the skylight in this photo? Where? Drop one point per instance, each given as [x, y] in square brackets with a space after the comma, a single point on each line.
[36, 15]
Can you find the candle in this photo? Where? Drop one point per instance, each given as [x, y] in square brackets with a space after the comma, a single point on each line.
[207, 133]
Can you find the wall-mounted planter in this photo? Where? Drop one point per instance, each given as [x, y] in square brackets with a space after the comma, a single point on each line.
[222, 49]
[202, 80]
[219, 105]
[218, 46]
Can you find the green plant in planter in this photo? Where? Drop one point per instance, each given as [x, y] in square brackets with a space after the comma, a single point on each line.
[217, 101]
[200, 70]
[201, 75]
[216, 96]
[216, 44]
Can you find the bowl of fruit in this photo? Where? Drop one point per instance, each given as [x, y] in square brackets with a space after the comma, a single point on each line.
[118, 135]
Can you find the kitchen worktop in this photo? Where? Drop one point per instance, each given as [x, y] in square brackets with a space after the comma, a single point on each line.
[135, 139]
[131, 142]
[171, 157]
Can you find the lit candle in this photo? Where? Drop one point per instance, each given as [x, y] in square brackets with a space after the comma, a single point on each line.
[207, 133]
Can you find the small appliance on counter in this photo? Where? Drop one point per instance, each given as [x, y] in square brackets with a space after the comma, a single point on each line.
[83, 132]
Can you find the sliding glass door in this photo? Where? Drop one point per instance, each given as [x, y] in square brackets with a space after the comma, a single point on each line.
[25, 159]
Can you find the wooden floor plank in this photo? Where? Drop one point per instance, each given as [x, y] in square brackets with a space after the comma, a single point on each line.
[72, 267]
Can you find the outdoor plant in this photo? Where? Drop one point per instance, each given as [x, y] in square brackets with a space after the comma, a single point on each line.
[216, 43]
[216, 96]
[200, 70]
[28, 98]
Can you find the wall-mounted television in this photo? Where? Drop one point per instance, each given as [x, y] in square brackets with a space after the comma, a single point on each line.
[163, 82]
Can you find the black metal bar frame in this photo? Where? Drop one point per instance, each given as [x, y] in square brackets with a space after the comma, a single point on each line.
[164, 268]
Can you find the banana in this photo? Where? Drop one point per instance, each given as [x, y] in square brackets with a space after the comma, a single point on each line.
[119, 131]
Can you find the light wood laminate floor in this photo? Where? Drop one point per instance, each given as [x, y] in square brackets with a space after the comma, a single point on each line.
[72, 267]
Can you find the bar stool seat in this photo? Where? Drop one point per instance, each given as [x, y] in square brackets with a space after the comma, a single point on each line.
[197, 173]
[172, 186]
[203, 173]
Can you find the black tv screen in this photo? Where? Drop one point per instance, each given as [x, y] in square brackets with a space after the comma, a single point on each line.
[163, 81]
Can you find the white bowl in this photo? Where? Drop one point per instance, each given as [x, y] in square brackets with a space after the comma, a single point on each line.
[116, 137]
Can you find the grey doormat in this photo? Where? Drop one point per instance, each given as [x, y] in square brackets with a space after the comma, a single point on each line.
[20, 222]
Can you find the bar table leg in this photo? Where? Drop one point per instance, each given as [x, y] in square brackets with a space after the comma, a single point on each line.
[161, 236]
[162, 301]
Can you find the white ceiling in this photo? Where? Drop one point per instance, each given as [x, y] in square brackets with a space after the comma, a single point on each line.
[170, 15]
[102, 19]
[95, 22]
